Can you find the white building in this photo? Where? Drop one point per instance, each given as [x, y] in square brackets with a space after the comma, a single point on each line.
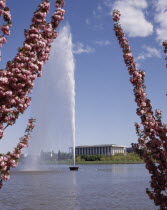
[104, 149]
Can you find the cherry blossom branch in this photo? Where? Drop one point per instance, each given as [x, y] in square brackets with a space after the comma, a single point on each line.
[5, 28]
[17, 80]
[152, 141]
[11, 159]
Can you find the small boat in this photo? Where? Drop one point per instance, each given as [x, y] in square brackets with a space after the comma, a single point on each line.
[73, 168]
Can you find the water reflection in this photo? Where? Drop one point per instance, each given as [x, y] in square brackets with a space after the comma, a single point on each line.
[74, 177]
[114, 169]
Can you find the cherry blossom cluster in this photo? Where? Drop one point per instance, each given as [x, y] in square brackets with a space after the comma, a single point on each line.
[11, 159]
[17, 80]
[5, 28]
[165, 49]
[152, 141]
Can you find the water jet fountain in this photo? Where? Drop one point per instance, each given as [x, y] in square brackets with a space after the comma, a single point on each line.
[53, 103]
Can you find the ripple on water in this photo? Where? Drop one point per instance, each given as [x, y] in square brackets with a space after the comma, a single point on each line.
[99, 187]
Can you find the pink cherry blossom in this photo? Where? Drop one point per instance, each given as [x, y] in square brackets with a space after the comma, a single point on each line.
[151, 146]
[17, 80]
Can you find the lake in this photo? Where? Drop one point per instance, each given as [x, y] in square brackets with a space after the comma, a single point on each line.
[93, 187]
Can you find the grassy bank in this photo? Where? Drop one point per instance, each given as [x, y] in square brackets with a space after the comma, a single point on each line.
[110, 162]
[129, 158]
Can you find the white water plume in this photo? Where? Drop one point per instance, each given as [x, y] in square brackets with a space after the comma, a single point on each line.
[53, 101]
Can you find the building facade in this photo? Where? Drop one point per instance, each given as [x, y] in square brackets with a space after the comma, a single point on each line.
[105, 149]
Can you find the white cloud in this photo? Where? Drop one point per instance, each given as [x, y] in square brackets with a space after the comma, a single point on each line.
[161, 4]
[79, 48]
[148, 53]
[87, 21]
[108, 3]
[103, 43]
[99, 11]
[99, 8]
[141, 57]
[133, 18]
[103, 9]
[160, 18]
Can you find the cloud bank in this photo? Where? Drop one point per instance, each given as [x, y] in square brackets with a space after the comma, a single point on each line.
[160, 19]
[80, 48]
[133, 18]
[148, 53]
[103, 42]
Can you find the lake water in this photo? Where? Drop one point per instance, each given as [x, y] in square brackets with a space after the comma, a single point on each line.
[93, 187]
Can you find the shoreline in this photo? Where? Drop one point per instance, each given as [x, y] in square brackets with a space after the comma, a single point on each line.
[90, 162]
[93, 162]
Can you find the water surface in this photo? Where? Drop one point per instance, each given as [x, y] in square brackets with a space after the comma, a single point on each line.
[117, 186]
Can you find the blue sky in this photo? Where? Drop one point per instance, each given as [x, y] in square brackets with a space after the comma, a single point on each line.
[105, 107]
